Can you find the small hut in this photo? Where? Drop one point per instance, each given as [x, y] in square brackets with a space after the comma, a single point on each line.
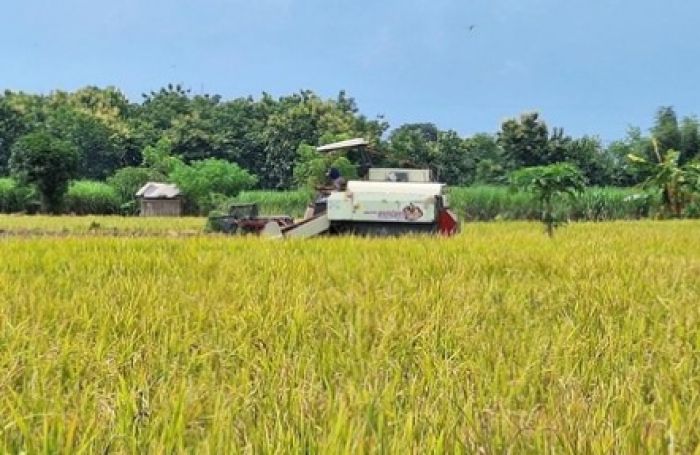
[159, 199]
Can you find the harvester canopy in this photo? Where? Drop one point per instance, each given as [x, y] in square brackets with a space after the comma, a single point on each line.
[343, 145]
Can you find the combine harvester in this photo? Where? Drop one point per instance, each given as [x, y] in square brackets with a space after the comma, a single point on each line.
[384, 202]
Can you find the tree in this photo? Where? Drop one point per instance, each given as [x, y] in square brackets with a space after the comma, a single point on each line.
[623, 171]
[588, 155]
[296, 119]
[202, 180]
[97, 122]
[11, 128]
[492, 165]
[305, 118]
[525, 140]
[423, 145]
[455, 163]
[159, 157]
[414, 145]
[558, 147]
[31, 110]
[46, 161]
[666, 130]
[98, 146]
[109, 105]
[160, 108]
[690, 139]
[548, 182]
[241, 123]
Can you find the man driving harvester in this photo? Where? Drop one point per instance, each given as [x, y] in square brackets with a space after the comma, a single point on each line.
[334, 178]
[337, 180]
[337, 183]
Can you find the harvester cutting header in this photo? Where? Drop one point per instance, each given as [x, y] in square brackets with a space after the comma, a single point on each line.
[383, 201]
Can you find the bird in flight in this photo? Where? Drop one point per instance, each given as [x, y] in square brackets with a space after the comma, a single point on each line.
[472, 27]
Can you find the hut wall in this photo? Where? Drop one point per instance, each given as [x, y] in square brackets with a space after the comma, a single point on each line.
[161, 207]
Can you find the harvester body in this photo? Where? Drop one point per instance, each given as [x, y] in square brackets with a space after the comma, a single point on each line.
[382, 208]
[385, 202]
[389, 201]
[388, 208]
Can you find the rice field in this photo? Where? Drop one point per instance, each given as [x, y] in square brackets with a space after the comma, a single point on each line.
[498, 340]
[32, 225]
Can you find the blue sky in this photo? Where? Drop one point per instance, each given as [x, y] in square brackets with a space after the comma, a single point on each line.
[591, 66]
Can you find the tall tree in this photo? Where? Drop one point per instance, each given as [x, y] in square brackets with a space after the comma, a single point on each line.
[46, 161]
[98, 146]
[161, 107]
[666, 130]
[305, 118]
[558, 147]
[414, 145]
[492, 163]
[456, 164]
[622, 172]
[422, 145]
[588, 154]
[690, 139]
[241, 123]
[525, 140]
[12, 127]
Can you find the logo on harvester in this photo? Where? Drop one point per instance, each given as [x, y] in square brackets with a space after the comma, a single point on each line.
[409, 213]
[412, 213]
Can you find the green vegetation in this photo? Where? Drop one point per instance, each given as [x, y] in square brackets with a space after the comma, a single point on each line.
[476, 203]
[291, 203]
[484, 203]
[547, 183]
[498, 340]
[206, 182]
[312, 166]
[85, 197]
[15, 197]
[678, 185]
[128, 180]
[273, 140]
[47, 162]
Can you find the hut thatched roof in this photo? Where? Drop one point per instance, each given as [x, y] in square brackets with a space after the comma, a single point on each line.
[156, 190]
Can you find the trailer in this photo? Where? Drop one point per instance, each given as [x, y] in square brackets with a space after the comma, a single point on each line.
[244, 218]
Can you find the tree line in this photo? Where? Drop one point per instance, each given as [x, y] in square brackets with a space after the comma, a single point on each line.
[268, 142]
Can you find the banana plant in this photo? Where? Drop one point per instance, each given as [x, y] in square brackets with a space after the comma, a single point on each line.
[673, 181]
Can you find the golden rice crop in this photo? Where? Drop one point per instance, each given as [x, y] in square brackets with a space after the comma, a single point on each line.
[97, 225]
[497, 340]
